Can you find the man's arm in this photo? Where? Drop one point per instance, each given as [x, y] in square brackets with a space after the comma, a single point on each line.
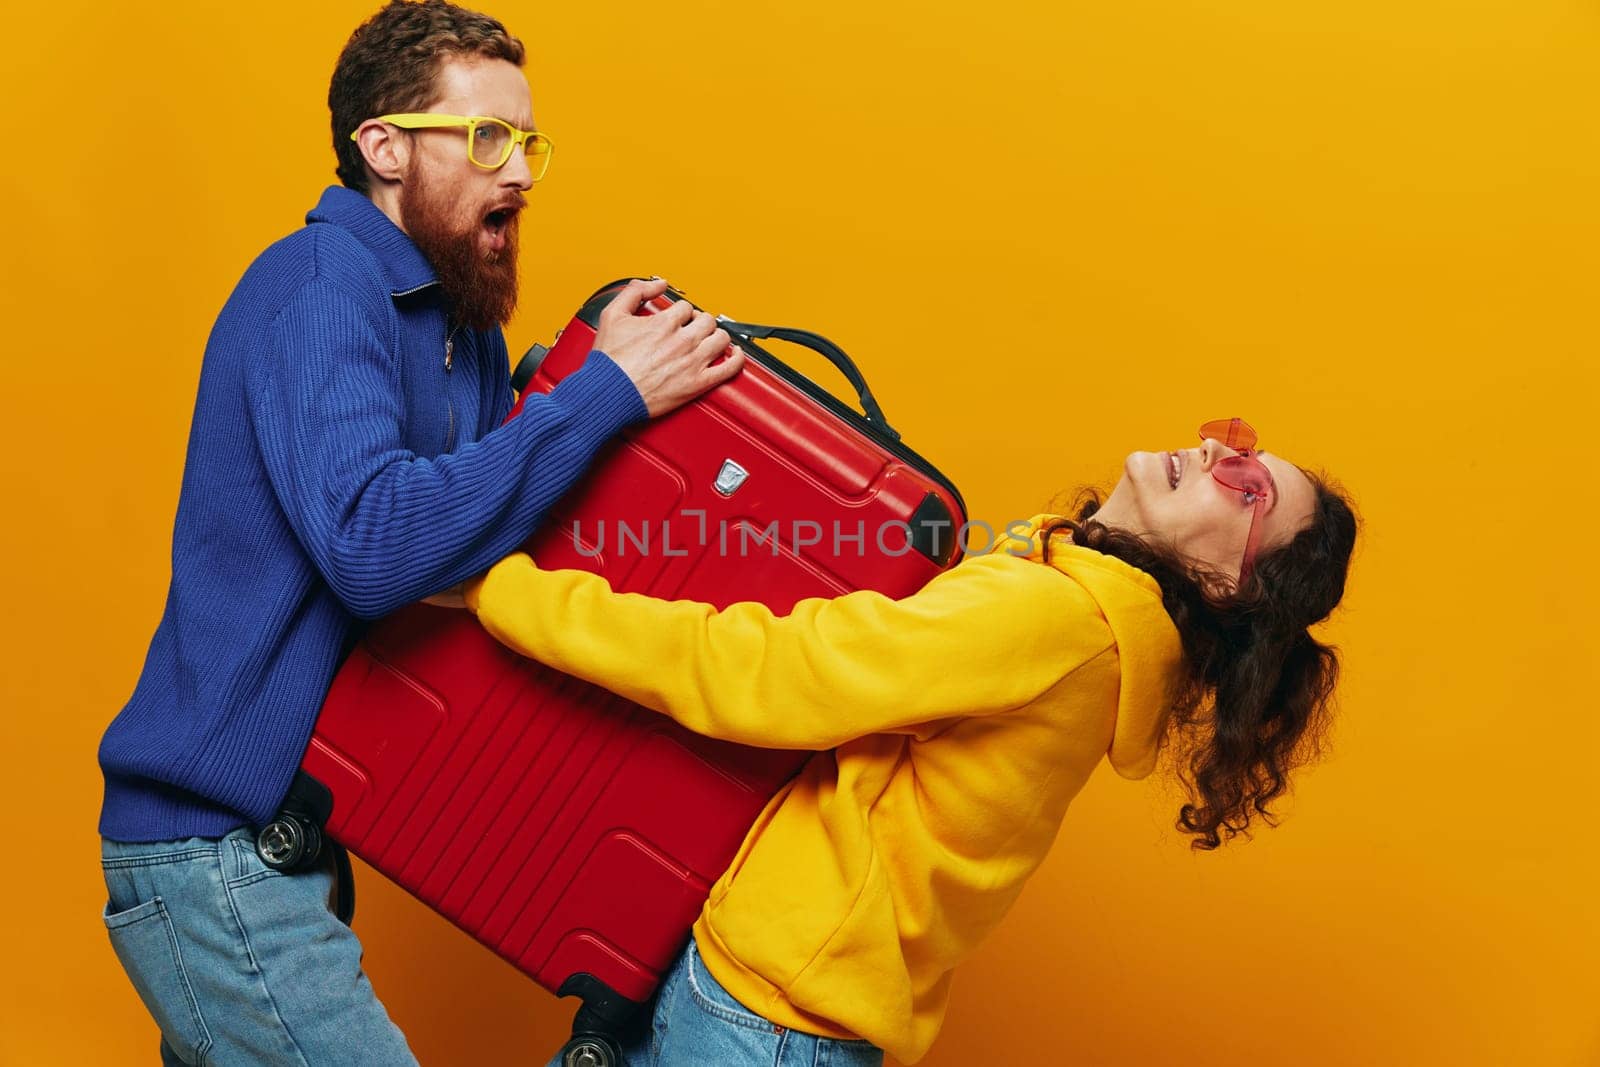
[383, 525]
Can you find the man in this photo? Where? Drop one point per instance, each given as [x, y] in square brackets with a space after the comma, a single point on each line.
[346, 458]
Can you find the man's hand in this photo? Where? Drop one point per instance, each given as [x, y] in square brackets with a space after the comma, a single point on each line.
[668, 354]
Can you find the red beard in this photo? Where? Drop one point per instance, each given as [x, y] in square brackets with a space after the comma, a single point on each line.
[480, 285]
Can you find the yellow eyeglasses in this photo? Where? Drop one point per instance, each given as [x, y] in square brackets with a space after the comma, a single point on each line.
[490, 141]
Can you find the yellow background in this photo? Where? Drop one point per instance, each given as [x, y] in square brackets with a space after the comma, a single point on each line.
[1051, 233]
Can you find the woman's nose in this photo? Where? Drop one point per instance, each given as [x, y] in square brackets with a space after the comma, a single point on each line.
[1211, 450]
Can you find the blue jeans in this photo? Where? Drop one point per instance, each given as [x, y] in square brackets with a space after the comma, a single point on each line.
[238, 963]
[696, 1022]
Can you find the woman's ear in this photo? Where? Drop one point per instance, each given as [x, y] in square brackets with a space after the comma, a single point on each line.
[1218, 586]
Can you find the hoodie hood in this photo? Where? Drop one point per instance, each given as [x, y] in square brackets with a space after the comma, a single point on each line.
[1149, 650]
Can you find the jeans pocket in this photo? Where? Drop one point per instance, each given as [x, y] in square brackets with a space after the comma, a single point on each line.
[711, 998]
[248, 866]
[835, 1053]
[143, 939]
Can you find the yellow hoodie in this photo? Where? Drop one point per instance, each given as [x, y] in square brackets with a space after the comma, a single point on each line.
[962, 720]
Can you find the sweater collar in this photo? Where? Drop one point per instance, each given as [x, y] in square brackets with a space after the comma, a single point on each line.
[403, 264]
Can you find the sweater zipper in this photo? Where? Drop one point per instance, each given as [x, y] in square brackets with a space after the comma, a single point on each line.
[450, 407]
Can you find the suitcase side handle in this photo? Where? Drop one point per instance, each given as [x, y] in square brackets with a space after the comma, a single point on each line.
[825, 348]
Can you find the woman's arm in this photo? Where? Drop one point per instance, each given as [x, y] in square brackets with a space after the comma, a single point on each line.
[990, 635]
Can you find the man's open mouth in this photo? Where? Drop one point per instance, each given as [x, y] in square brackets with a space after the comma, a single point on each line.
[497, 220]
[497, 226]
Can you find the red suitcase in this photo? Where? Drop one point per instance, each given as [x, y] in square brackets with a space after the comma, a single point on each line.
[574, 833]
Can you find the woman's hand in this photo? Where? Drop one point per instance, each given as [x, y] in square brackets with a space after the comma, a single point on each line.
[455, 596]
[448, 598]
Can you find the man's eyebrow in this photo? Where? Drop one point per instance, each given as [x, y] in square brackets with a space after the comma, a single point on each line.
[1270, 481]
[516, 123]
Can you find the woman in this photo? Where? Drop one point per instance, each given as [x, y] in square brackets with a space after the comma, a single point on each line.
[964, 718]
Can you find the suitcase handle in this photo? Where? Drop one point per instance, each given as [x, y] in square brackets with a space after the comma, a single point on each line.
[823, 347]
[590, 315]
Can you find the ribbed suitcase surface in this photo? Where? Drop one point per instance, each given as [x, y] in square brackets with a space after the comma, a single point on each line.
[571, 831]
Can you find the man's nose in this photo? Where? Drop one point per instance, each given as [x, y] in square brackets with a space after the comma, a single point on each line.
[516, 174]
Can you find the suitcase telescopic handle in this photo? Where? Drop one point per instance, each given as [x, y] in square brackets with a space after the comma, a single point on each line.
[826, 348]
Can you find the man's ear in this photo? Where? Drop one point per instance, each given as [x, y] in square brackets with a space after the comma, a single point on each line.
[385, 148]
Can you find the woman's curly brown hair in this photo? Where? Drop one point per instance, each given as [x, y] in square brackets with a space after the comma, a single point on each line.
[391, 63]
[1255, 699]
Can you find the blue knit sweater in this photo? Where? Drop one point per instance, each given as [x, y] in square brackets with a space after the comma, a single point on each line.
[339, 467]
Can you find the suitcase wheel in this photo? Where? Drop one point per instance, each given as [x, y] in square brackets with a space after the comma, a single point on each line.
[591, 1050]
